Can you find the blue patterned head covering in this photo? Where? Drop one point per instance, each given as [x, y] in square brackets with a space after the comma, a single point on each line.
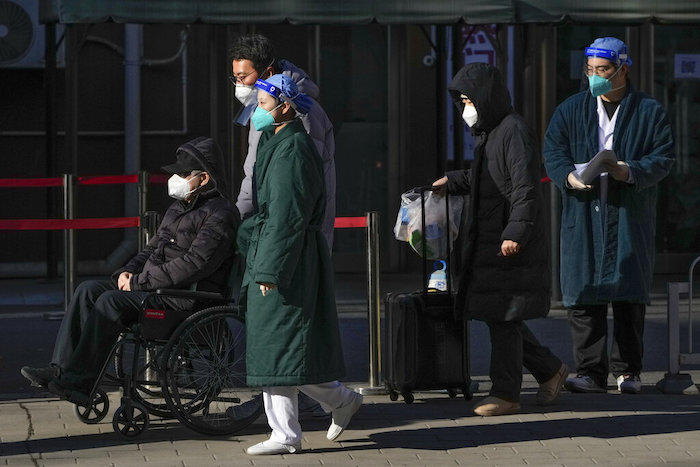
[284, 88]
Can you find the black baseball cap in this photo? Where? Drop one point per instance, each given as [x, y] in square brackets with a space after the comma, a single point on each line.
[185, 163]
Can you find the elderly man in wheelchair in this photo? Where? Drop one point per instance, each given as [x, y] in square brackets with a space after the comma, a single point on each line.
[191, 251]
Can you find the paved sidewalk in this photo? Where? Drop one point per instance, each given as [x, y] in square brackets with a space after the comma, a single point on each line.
[610, 429]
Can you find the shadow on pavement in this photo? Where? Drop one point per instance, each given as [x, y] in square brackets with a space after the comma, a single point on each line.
[158, 431]
[457, 437]
[393, 425]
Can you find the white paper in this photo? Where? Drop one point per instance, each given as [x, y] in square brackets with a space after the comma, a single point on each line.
[590, 170]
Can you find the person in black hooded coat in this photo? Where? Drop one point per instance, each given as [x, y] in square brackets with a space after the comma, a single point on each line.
[505, 272]
[193, 248]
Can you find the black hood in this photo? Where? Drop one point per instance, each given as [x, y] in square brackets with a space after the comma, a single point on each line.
[483, 85]
[209, 155]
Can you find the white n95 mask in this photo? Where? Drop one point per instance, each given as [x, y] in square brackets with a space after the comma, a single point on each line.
[469, 115]
[178, 187]
[244, 93]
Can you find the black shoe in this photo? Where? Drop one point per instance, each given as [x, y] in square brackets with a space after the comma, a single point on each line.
[74, 395]
[40, 377]
[244, 410]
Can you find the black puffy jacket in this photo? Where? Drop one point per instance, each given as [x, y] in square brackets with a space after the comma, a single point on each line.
[195, 241]
[506, 204]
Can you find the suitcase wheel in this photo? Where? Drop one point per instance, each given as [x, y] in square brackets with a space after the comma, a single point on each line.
[467, 391]
[393, 395]
[452, 393]
[407, 397]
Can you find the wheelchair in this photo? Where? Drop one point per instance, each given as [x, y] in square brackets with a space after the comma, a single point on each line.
[179, 364]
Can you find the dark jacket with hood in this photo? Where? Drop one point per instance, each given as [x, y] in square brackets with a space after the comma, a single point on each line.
[194, 245]
[506, 204]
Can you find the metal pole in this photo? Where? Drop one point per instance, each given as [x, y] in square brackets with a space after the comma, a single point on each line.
[68, 239]
[143, 194]
[690, 304]
[51, 145]
[373, 306]
[674, 290]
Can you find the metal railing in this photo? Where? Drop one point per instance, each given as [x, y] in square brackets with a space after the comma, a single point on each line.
[675, 382]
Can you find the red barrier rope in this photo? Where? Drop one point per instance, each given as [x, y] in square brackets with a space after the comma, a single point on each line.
[30, 182]
[69, 224]
[108, 179]
[121, 222]
[85, 180]
[350, 222]
[158, 178]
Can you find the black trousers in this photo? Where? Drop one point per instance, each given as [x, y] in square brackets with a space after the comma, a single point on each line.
[513, 346]
[589, 333]
[95, 317]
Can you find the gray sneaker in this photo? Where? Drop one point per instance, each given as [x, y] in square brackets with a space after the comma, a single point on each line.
[582, 383]
[629, 384]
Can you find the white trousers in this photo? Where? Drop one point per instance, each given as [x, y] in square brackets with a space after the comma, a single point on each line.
[282, 406]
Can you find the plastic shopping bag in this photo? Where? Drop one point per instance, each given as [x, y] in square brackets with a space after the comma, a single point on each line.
[410, 207]
[409, 226]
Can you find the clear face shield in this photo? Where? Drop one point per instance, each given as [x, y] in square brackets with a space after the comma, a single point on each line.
[598, 75]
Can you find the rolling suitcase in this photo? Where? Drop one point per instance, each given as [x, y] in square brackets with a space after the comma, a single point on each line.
[426, 347]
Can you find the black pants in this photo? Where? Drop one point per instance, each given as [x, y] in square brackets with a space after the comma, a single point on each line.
[589, 333]
[513, 346]
[95, 317]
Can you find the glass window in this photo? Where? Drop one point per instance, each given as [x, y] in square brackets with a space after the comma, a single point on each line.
[677, 86]
[353, 93]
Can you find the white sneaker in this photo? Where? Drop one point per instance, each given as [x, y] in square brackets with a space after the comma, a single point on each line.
[272, 447]
[629, 384]
[343, 415]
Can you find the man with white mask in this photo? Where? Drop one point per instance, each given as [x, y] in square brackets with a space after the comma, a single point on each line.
[193, 248]
[252, 57]
[505, 275]
[608, 226]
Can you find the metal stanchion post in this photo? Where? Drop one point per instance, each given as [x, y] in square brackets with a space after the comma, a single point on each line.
[373, 304]
[68, 239]
[675, 382]
[143, 196]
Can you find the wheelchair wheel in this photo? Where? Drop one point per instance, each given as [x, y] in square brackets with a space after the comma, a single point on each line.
[146, 388]
[96, 412]
[130, 420]
[204, 378]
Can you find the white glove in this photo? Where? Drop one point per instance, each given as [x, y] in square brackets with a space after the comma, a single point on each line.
[576, 184]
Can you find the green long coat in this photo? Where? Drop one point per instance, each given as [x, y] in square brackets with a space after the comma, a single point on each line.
[292, 333]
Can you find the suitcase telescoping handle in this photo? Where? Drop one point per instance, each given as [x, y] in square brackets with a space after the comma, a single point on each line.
[448, 268]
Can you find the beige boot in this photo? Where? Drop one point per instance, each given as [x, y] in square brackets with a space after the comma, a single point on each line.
[549, 390]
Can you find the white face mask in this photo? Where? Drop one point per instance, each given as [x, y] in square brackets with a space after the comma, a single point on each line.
[245, 93]
[469, 115]
[178, 187]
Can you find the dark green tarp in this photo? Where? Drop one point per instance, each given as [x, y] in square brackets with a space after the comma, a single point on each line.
[367, 11]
